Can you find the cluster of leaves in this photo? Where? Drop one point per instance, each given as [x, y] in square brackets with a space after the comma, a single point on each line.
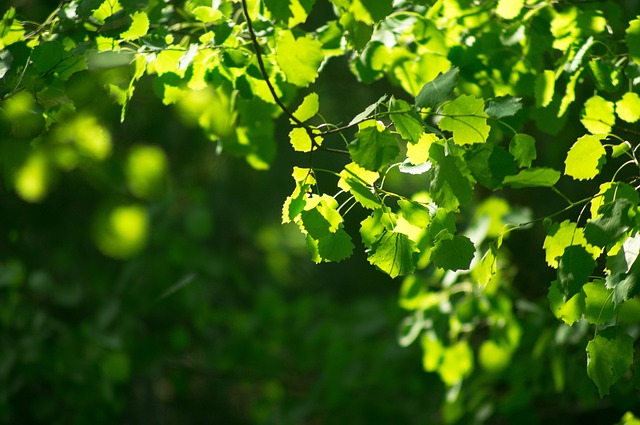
[487, 84]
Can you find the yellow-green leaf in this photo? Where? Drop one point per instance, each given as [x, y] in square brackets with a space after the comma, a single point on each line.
[299, 58]
[466, 119]
[308, 108]
[509, 9]
[139, 27]
[585, 158]
[545, 88]
[598, 116]
[301, 141]
[628, 108]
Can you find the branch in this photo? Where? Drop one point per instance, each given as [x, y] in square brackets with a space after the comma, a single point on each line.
[263, 70]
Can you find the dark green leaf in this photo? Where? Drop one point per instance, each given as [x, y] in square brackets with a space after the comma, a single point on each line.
[453, 254]
[609, 356]
[372, 227]
[394, 253]
[504, 106]
[335, 246]
[374, 149]
[437, 91]
[612, 223]
[448, 187]
[533, 177]
[407, 123]
[367, 111]
[523, 149]
[574, 268]
[47, 55]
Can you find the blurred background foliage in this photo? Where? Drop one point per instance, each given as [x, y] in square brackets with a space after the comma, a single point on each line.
[144, 278]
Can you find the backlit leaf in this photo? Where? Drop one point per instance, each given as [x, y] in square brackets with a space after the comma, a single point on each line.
[299, 58]
[336, 246]
[358, 181]
[599, 306]
[449, 188]
[628, 108]
[138, 28]
[466, 119]
[394, 253]
[633, 40]
[585, 158]
[569, 310]
[301, 142]
[609, 356]
[560, 236]
[308, 108]
[545, 88]
[509, 9]
[418, 153]
[598, 116]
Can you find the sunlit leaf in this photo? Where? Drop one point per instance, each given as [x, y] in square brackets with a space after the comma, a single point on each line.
[560, 236]
[628, 108]
[465, 117]
[308, 108]
[569, 310]
[633, 40]
[599, 306]
[509, 9]
[301, 142]
[336, 246]
[598, 116]
[609, 356]
[299, 58]
[139, 26]
[418, 153]
[545, 88]
[358, 181]
[585, 158]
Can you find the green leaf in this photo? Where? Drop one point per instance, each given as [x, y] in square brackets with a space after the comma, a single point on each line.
[372, 227]
[138, 28]
[574, 268]
[466, 119]
[609, 357]
[599, 306]
[490, 164]
[523, 149]
[308, 108]
[418, 153]
[367, 111]
[504, 106]
[437, 91]
[336, 246]
[298, 58]
[289, 12]
[628, 108]
[533, 177]
[570, 93]
[612, 223]
[206, 14]
[560, 236]
[633, 40]
[457, 363]
[509, 9]
[358, 181]
[320, 217]
[301, 142]
[374, 149]
[624, 285]
[585, 158]
[415, 213]
[598, 116]
[453, 254]
[567, 310]
[47, 55]
[408, 123]
[394, 253]
[371, 11]
[448, 187]
[545, 88]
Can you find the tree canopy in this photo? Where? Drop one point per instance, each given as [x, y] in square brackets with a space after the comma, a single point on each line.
[483, 156]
